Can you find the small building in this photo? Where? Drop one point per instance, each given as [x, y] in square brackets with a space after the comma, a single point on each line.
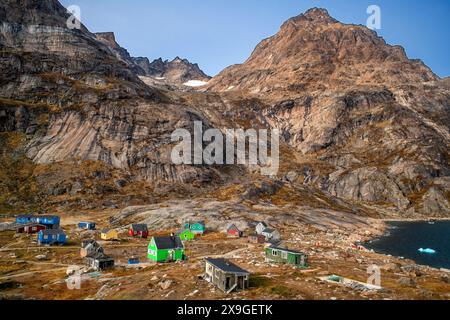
[52, 236]
[30, 228]
[186, 235]
[109, 234]
[100, 261]
[198, 227]
[233, 231]
[85, 225]
[134, 260]
[51, 222]
[139, 230]
[90, 247]
[166, 249]
[271, 234]
[260, 227]
[286, 256]
[257, 238]
[227, 276]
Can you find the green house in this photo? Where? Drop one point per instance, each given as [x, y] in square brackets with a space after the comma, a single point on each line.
[282, 255]
[166, 249]
[186, 235]
[196, 227]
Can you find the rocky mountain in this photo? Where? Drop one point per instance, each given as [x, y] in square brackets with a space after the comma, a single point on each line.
[365, 129]
[69, 101]
[375, 123]
[175, 72]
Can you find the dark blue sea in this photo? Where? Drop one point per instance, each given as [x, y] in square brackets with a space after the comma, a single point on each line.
[404, 239]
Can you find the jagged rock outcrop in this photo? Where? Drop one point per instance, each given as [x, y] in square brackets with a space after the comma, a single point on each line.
[359, 120]
[377, 121]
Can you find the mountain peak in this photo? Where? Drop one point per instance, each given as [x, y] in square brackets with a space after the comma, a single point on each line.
[315, 15]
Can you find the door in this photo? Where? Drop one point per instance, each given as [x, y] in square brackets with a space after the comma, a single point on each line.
[228, 283]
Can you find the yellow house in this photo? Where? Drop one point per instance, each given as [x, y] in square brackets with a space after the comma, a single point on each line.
[109, 234]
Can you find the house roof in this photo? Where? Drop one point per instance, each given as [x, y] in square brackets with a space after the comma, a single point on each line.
[268, 230]
[53, 231]
[107, 230]
[286, 250]
[168, 242]
[226, 266]
[233, 226]
[139, 227]
[263, 223]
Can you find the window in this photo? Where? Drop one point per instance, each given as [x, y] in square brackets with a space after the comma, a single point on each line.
[284, 255]
[274, 252]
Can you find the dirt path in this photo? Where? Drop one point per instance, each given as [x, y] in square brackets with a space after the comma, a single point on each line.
[30, 273]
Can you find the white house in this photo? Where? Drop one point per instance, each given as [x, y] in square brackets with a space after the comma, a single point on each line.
[271, 234]
[260, 227]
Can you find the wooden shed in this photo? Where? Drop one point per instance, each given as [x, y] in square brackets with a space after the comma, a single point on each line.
[286, 256]
[271, 234]
[139, 230]
[86, 225]
[233, 231]
[90, 247]
[260, 227]
[166, 249]
[186, 235]
[30, 228]
[198, 227]
[109, 234]
[256, 238]
[227, 276]
[100, 261]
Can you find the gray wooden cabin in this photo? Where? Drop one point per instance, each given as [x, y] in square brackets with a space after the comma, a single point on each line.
[227, 276]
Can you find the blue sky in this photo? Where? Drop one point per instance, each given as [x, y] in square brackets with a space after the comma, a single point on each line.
[218, 33]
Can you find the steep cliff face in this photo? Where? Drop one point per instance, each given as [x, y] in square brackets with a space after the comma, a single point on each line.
[377, 121]
[363, 127]
[71, 97]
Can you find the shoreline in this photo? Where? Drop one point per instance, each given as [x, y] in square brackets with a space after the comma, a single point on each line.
[386, 227]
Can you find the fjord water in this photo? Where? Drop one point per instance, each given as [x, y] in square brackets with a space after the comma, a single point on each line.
[404, 239]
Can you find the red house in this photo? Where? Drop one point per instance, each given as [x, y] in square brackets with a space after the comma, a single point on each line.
[233, 231]
[139, 230]
[30, 228]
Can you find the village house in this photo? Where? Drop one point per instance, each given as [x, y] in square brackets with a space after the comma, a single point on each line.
[225, 275]
[256, 238]
[30, 228]
[139, 230]
[109, 234]
[198, 227]
[52, 236]
[186, 235]
[260, 227]
[85, 225]
[233, 231]
[286, 256]
[271, 234]
[99, 261]
[166, 249]
[90, 247]
[50, 222]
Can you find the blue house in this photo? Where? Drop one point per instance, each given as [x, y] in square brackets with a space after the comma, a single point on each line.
[24, 218]
[85, 225]
[52, 236]
[50, 221]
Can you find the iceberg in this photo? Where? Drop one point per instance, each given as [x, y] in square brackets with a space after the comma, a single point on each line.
[428, 250]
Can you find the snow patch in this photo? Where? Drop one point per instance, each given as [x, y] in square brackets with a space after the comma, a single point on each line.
[195, 83]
